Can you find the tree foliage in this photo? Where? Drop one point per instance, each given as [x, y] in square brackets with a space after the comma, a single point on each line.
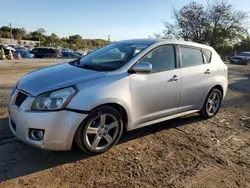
[74, 42]
[218, 24]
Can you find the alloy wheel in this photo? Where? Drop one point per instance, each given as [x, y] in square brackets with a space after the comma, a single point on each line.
[102, 131]
[213, 103]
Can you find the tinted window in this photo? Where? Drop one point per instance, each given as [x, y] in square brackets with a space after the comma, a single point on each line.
[191, 56]
[65, 54]
[161, 58]
[34, 50]
[244, 54]
[42, 50]
[48, 50]
[207, 54]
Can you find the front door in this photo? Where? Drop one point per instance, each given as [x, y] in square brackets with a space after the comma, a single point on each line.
[156, 95]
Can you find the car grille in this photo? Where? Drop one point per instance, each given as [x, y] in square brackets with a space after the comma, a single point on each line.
[21, 97]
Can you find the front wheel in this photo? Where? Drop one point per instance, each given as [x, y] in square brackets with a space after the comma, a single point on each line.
[100, 131]
[212, 104]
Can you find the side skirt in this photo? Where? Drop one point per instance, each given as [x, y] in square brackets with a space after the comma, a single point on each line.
[162, 119]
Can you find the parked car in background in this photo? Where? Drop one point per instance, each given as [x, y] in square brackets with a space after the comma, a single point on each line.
[11, 45]
[27, 48]
[20, 48]
[23, 54]
[66, 50]
[45, 52]
[7, 49]
[71, 55]
[122, 86]
[242, 58]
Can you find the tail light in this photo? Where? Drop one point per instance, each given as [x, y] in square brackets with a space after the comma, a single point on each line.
[54, 54]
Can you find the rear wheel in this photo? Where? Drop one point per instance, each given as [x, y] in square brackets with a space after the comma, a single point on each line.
[100, 131]
[212, 104]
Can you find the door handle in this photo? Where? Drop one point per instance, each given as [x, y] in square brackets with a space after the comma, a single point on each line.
[174, 78]
[207, 71]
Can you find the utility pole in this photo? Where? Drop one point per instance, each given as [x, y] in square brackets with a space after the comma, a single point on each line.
[10, 34]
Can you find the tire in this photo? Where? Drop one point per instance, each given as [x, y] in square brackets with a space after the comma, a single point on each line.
[102, 125]
[206, 110]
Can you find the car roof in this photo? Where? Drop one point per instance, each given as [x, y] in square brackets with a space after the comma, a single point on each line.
[165, 41]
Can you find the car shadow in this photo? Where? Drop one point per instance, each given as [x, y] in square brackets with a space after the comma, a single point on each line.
[18, 159]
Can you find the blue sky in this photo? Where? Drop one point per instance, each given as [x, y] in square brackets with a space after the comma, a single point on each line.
[122, 19]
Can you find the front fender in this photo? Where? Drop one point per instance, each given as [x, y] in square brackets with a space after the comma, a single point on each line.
[110, 89]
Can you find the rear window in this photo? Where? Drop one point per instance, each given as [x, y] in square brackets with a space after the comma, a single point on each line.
[47, 50]
[207, 54]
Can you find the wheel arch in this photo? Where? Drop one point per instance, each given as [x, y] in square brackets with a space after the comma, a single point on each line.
[120, 108]
[219, 87]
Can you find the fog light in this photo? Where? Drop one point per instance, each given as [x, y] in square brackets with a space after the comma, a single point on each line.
[36, 134]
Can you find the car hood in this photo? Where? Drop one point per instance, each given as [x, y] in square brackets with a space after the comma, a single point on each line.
[56, 77]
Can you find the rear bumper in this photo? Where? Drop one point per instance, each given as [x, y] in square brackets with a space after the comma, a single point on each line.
[59, 126]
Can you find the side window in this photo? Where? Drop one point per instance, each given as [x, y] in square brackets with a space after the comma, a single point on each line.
[35, 50]
[162, 58]
[191, 56]
[42, 50]
[207, 54]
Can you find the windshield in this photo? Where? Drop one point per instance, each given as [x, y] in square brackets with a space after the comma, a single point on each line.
[110, 57]
[244, 54]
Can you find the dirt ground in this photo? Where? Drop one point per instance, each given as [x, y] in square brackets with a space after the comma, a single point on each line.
[185, 152]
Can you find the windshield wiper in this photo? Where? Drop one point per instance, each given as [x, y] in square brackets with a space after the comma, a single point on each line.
[85, 66]
[91, 67]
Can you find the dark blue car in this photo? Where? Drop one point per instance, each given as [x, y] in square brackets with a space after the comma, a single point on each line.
[242, 58]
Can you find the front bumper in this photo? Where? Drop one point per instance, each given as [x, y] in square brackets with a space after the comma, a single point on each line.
[59, 126]
[239, 61]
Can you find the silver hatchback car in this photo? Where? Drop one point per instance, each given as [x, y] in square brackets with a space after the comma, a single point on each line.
[122, 86]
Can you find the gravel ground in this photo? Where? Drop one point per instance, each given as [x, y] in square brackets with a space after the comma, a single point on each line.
[185, 152]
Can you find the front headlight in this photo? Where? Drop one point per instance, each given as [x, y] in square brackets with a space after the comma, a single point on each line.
[54, 100]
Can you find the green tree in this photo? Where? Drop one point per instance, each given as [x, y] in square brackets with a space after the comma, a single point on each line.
[74, 39]
[5, 32]
[217, 24]
[5, 29]
[18, 33]
[52, 40]
[243, 44]
[41, 31]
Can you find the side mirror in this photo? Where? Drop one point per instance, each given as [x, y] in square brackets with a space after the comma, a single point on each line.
[143, 67]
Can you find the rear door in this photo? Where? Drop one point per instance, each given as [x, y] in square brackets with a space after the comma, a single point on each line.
[196, 78]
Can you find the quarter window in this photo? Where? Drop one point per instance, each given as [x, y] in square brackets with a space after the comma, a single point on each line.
[191, 56]
[207, 54]
[161, 58]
